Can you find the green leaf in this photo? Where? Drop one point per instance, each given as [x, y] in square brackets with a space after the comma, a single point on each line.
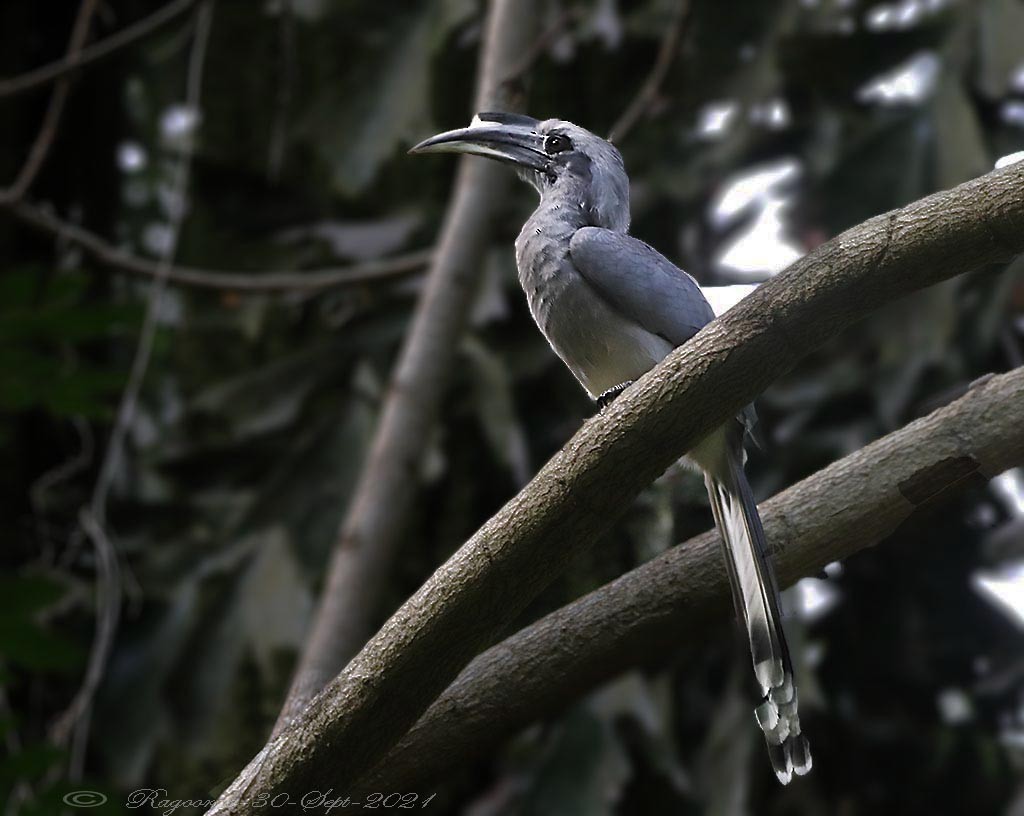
[28, 764]
[25, 643]
[26, 594]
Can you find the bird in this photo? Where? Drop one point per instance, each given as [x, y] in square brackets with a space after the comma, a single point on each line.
[612, 307]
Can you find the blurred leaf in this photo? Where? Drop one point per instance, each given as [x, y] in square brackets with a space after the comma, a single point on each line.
[22, 595]
[727, 752]
[960, 152]
[582, 771]
[357, 240]
[28, 765]
[918, 332]
[259, 611]
[495, 409]
[133, 703]
[1000, 46]
[26, 644]
[268, 398]
[42, 322]
[383, 102]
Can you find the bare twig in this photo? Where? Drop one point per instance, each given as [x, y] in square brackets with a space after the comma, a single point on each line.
[30, 169]
[283, 96]
[140, 362]
[369, 540]
[670, 602]
[313, 280]
[648, 93]
[468, 601]
[541, 44]
[51, 119]
[54, 476]
[93, 518]
[44, 75]
[65, 470]
[74, 723]
[21, 791]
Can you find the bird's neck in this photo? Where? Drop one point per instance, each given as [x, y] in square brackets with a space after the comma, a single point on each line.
[544, 239]
[564, 209]
[546, 233]
[561, 212]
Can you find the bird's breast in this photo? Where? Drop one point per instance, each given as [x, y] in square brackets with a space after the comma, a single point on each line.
[599, 345]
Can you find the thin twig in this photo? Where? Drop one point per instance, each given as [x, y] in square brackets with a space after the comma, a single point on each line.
[56, 475]
[65, 470]
[541, 44]
[51, 119]
[648, 92]
[74, 722]
[44, 75]
[140, 362]
[312, 280]
[20, 792]
[30, 169]
[283, 97]
[93, 518]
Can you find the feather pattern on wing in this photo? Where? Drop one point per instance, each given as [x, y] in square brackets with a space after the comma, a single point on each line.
[641, 283]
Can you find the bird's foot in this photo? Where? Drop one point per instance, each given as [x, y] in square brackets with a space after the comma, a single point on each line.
[609, 396]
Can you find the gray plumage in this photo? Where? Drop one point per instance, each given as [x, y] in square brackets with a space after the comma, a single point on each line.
[611, 308]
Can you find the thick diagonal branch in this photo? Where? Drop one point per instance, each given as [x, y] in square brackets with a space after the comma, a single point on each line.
[465, 605]
[667, 604]
[370, 535]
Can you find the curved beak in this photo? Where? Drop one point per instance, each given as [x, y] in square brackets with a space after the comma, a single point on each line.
[506, 137]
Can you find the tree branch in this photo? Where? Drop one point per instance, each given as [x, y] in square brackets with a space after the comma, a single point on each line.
[582, 490]
[313, 280]
[73, 63]
[51, 119]
[669, 602]
[370, 536]
[547, 37]
[644, 99]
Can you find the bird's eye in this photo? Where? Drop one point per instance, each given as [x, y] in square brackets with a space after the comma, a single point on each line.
[556, 143]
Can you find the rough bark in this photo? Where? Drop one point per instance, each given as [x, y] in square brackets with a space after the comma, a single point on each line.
[583, 489]
[370, 536]
[672, 601]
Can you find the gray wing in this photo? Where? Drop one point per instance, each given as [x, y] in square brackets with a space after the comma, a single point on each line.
[640, 283]
[646, 287]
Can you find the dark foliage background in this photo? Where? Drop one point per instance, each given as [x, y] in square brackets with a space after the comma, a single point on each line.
[256, 411]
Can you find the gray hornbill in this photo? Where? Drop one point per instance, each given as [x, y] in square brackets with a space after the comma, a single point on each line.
[612, 307]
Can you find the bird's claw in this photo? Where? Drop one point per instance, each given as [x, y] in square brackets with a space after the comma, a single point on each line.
[609, 396]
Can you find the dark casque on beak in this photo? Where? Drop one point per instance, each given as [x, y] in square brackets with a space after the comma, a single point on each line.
[507, 137]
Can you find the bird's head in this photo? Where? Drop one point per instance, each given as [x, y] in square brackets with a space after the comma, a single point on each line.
[557, 157]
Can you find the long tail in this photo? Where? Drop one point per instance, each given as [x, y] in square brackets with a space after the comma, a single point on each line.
[756, 597]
